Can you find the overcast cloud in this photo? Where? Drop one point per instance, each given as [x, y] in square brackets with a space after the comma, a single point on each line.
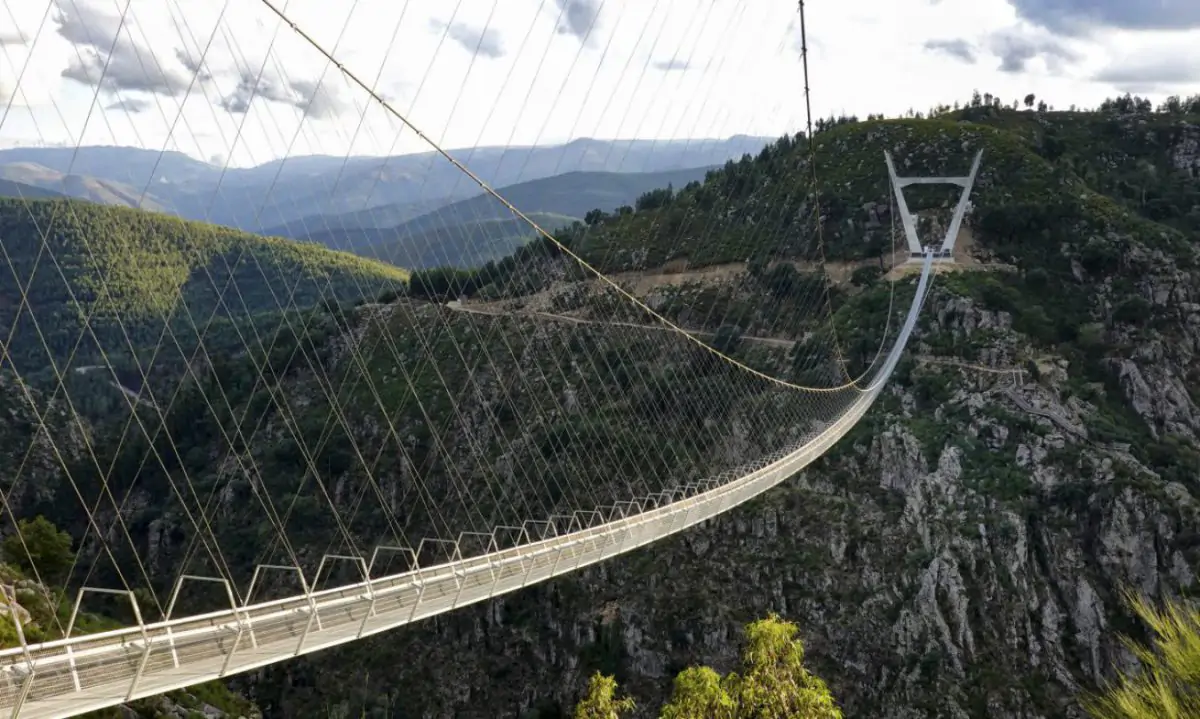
[579, 17]
[959, 49]
[117, 66]
[1081, 16]
[672, 65]
[734, 67]
[322, 102]
[1015, 49]
[1165, 71]
[484, 41]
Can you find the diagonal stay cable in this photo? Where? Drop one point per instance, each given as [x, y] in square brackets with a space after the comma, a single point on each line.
[566, 250]
[88, 329]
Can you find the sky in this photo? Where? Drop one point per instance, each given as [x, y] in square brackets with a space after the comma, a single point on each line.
[228, 81]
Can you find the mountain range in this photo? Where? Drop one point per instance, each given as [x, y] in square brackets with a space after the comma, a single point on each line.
[470, 232]
[283, 195]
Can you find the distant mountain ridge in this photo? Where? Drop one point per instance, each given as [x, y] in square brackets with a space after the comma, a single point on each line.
[300, 190]
[470, 232]
[48, 180]
[10, 188]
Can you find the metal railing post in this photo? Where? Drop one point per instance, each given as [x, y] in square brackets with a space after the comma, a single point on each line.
[374, 598]
[582, 553]
[315, 615]
[491, 566]
[137, 677]
[494, 548]
[27, 683]
[243, 614]
[455, 556]
[175, 597]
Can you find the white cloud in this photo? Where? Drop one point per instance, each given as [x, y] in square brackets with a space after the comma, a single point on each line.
[1155, 64]
[484, 41]
[736, 70]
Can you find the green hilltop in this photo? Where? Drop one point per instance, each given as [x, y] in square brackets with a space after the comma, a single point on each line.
[1044, 198]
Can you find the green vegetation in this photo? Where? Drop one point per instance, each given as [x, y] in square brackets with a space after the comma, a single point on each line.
[773, 684]
[128, 272]
[763, 206]
[44, 611]
[44, 607]
[39, 547]
[1168, 683]
[507, 277]
[601, 701]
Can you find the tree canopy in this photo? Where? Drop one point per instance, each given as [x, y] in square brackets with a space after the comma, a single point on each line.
[773, 684]
[600, 701]
[38, 548]
[1168, 685]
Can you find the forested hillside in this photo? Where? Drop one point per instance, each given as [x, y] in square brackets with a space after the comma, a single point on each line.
[83, 280]
[959, 554]
[1034, 163]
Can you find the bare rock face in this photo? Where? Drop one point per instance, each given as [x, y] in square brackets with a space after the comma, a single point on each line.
[39, 436]
[1185, 155]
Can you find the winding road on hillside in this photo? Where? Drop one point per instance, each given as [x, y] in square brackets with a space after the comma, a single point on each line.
[480, 309]
[458, 306]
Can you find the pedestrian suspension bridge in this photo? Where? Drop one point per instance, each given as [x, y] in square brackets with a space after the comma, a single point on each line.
[477, 453]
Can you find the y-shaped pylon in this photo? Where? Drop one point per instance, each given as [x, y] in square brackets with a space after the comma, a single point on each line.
[916, 251]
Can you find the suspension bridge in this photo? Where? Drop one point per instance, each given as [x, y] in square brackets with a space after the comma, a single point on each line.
[418, 457]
